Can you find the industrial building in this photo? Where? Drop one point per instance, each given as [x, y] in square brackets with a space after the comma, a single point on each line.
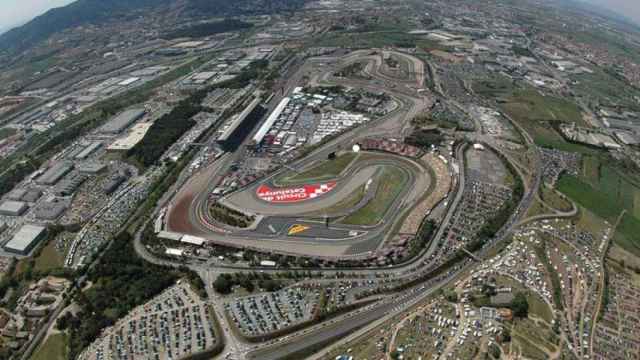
[17, 194]
[27, 195]
[114, 182]
[55, 173]
[168, 235]
[25, 239]
[202, 77]
[136, 134]
[122, 121]
[239, 127]
[88, 150]
[91, 167]
[50, 210]
[192, 240]
[257, 139]
[627, 138]
[128, 81]
[622, 124]
[13, 208]
[69, 185]
[174, 252]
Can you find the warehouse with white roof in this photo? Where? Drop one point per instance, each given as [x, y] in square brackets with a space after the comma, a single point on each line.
[257, 139]
[13, 208]
[25, 239]
[122, 121]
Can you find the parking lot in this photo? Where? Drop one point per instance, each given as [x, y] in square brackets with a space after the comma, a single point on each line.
[175, 324]
[270, 312]
[555, 162]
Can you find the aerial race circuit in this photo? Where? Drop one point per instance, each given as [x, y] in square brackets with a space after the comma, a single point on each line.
[345, 204]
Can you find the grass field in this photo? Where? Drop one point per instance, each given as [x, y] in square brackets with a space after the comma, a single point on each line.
[347, 203]
[49, 258]
[554, 200]
[612, 181]
[391, 182]
[605, 88]
[607, 204]
[588, 197]
[537, 307]
[496, 87]
[627, 234]
[590, 166]
[536, 208]
[588, 221]
[528, 349]
[329, 169]
[536, 113]
[375, 40]
[54, 348]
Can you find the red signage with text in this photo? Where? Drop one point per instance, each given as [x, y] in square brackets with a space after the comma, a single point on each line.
[293, 194]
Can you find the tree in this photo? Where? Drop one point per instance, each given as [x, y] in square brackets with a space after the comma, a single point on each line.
[247, 285]
[222, 284]
[270, 285]
[506, 335]
[520, 305]
[494, 350]
[451, 296]
[488, 290]
[64, 321]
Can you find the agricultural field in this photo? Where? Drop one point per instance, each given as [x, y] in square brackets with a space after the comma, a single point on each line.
[376, 40]
[537, 113]
[606, 89]
[610, 180]
[627, 234]
[585, 195]
[497, 87]
[605, 191]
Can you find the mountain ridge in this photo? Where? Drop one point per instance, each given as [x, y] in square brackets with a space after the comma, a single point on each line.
[83, 12]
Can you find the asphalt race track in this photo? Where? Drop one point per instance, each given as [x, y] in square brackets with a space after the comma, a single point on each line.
[188, 212]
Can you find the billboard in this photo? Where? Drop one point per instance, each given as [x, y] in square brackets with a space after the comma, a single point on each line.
[293, 194]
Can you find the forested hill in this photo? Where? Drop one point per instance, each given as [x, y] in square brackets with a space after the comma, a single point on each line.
[84, 12]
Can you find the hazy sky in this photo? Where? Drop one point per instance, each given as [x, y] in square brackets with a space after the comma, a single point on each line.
[628, 8]
[18, 12]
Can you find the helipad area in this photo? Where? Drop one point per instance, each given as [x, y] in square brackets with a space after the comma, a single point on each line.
[293, 194]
